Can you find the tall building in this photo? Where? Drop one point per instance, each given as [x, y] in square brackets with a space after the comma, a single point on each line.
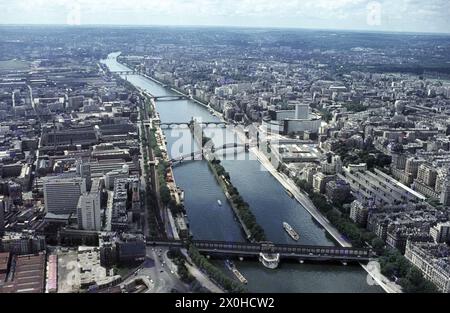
[301, 111]
[61, 195]
[2, 216]
[427, 174]
[84, 171]
[359, 213]
[445, 193]
[112, 176]
[89, 214]
[412, 166]
[441, 232]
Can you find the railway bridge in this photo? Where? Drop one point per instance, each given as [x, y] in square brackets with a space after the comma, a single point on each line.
[285, 251]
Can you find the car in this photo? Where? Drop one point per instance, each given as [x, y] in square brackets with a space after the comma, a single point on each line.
[172, 272]
[161, 271]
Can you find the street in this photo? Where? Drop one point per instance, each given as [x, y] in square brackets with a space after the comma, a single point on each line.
[159, 272]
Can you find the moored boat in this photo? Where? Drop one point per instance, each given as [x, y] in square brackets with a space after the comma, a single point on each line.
[230, 265]
[289, 193]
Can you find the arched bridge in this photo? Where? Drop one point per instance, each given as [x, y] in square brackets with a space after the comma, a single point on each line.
[286, 251]
[196, 154]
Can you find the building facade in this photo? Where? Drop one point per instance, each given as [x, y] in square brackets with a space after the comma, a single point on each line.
[61, 195]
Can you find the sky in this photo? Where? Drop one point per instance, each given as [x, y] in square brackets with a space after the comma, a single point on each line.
[380, 15]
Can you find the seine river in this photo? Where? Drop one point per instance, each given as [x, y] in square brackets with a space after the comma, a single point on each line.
[267, 198]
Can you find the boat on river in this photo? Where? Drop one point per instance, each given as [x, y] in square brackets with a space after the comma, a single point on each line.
[230, 265]
[288, 228]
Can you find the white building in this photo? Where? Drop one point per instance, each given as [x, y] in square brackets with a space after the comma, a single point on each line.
[61, 194]
[111, 177]
[432, 260]
[293, 121]
[441, 232]
[88, 212]
[358, 213]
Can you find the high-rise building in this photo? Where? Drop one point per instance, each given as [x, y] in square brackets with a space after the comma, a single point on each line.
[427, 174]
[112, 176]
[84, 171]
[2, 216]
[359, 213]
[412, 166]
[88, 212]
[301, 111]
[441, 232]
[445, 193]
[61, 195]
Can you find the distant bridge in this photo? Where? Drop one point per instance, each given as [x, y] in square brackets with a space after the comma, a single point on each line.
[170, 98]
[125, 72]
[187, 124]
[194, 155]
[286, 251]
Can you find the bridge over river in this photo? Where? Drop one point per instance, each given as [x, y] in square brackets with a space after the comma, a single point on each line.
[196, 154]
[285, 251]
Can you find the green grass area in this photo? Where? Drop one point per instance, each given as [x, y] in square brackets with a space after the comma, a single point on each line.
[13, 65]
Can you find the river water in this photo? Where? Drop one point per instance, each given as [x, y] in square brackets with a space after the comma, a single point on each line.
[267, 198]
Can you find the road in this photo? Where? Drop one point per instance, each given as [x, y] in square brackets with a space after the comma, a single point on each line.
[154, 187]
[160, 273]
[143, 177]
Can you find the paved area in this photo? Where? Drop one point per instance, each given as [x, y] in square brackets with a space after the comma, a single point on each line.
[376, 278]
[159, 272]
[68, 272]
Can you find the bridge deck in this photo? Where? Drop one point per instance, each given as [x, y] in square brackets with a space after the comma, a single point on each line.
[285, 250]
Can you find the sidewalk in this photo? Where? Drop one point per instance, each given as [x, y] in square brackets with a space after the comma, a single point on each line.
[200, 276]
[373, 269]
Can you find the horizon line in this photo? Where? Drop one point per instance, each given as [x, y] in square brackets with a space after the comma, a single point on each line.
[226, 26]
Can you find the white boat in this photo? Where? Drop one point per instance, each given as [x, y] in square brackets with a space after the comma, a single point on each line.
[288, 228]
[219, 202]
[270, 261]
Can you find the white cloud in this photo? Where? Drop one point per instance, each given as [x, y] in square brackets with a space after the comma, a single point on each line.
[409, 14]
